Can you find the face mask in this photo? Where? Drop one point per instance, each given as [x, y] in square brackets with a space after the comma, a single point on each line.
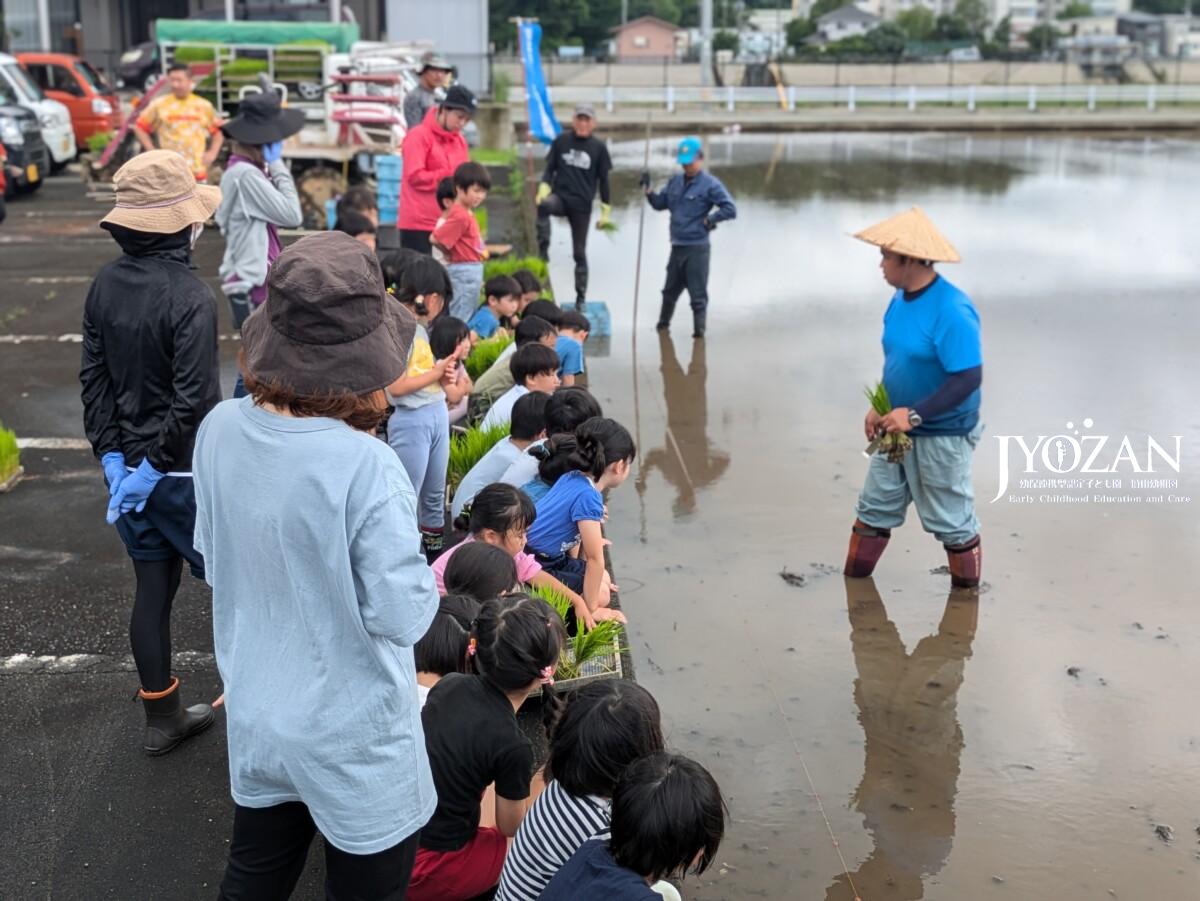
[197, 231]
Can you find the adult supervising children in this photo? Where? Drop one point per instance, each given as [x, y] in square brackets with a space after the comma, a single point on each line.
[431, 77]
[697, 201]
[150, 375]
[182, 122]
[577, 164]
[932, 370]
[432, 151]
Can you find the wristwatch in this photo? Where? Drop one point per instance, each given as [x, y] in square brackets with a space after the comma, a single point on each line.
[914, 418]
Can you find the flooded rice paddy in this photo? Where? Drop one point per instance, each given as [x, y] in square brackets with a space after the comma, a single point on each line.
[887, 738]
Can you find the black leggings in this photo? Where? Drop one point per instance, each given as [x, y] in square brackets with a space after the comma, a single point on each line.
[269, 848]
[150, 625]
[579, 219]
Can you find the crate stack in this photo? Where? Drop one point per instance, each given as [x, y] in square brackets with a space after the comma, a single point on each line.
[387, 194]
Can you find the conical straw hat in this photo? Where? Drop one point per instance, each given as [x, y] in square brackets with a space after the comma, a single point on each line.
[912, 234]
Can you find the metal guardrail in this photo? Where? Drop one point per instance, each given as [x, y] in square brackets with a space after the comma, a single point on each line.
[851, 97]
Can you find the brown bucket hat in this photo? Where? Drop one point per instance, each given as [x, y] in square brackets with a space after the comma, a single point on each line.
[328, 325]
[156, 192]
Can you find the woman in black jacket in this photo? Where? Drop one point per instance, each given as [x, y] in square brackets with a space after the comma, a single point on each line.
[150, 375]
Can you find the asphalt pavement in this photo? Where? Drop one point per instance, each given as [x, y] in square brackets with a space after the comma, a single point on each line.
[83, 814]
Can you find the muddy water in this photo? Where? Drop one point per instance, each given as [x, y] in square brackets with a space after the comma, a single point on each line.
[889, 738]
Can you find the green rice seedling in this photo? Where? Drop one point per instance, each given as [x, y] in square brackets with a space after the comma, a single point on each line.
[484, 354]
[10, 454]
[897, 444]
[609, 227]
[600, 641]
[468, 449]
[509, 265]
[556, 599]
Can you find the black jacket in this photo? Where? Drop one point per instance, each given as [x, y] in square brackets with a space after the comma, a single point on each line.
[575, 167]
[149, 371]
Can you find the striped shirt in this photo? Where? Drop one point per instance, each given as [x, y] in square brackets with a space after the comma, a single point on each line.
[553, 829]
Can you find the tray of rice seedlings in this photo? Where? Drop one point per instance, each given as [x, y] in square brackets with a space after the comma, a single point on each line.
[509, 265]
[588, 655]
[895, 445]
[10, 460]
[485, 353]
[468, 448]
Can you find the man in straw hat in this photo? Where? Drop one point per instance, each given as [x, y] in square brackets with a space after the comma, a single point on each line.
[308, 524]
[932, 370]
[149, 377]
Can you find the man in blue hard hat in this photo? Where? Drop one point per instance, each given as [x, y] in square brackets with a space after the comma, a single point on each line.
[697, 201]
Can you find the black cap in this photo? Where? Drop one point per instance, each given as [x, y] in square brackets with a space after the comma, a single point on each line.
[461, 98]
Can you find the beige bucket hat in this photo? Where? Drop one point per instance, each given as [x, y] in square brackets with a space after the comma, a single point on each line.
[156, 192]
[912, 234]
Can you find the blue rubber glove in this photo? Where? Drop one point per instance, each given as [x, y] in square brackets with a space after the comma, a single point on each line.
[133, 492]
[272, 152]
[114, 470]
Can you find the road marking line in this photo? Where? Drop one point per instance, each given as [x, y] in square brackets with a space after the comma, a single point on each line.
[30, 664]
[73, 338]
[53, 444]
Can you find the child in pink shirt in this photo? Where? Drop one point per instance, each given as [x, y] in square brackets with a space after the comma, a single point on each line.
[457, 236]
[500, 515]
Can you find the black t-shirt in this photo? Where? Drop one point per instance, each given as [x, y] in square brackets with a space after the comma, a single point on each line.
[574, 168]
[473, 740]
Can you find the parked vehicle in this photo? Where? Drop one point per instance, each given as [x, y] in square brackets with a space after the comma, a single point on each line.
[139, 67]
[52, 116]
[28, 159]
[3, 184]
[71, 81]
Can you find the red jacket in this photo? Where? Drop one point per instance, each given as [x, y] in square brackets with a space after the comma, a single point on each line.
[431, 153]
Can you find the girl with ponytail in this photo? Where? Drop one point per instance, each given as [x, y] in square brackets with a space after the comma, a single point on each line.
[567, 538]
[473, 741]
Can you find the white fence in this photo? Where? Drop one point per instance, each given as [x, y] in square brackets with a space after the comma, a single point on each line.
[970, 97]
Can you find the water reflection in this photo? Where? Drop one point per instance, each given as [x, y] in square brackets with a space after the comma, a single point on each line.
[908, 708]
[685, 458]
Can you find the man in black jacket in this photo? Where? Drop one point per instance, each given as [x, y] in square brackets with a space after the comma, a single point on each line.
[576, 165]
[150, 375]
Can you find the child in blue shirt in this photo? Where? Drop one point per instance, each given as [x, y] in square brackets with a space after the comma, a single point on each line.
[573, 329]
[668, 819]
[567, 538]
[503, 295]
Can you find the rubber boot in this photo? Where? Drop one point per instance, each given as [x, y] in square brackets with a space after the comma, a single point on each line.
[664, 316]
[543, 236]
[867, 544]
[433, 542]
[168, 722]
[966, 563]
[581, 284]
[699, 321]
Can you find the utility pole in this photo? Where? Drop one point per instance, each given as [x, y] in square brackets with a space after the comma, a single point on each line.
[335, 10]
[230, 15]
[706, 36]
[43, 14]
[624, 11]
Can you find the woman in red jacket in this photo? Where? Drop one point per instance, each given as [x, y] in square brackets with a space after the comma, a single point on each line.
[432, 151]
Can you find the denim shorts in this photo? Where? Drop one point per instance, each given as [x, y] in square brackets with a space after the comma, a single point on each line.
[936, 477]
[166, 528]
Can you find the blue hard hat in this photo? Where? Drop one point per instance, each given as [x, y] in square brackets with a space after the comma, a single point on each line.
[689, 149]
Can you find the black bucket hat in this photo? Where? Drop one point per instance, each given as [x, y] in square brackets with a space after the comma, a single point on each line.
[461, 98]
[261, 119]
[328, 325]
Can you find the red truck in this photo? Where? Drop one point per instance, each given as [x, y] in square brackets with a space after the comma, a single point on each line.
[73, 82]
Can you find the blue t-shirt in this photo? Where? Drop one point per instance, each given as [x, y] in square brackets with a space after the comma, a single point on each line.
[572, 499]
[592, 875]
[536, 489]
[484, 323]
[925, 340]
[570, 355]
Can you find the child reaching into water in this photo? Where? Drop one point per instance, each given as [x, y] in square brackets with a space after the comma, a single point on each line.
[443, 648]
[571, 513]
[478, 570]
[602, 729]
[501, 515]
[668, 819]
[473, 740]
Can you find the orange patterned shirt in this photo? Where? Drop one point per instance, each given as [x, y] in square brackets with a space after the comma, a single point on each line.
[183, 126]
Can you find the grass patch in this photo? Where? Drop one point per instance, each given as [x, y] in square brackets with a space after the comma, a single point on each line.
[468, 449]
[489, 157]
[485, 353]
[10, 454]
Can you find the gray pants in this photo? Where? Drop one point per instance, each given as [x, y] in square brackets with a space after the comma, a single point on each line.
[421, 439]
[467, 279]
[686, 268]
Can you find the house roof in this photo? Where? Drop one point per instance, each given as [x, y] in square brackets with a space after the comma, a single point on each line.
[848, 14]
[645, 20]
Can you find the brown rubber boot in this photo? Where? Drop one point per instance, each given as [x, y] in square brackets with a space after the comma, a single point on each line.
[966, 563]
[168, 722]
[867, 544]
